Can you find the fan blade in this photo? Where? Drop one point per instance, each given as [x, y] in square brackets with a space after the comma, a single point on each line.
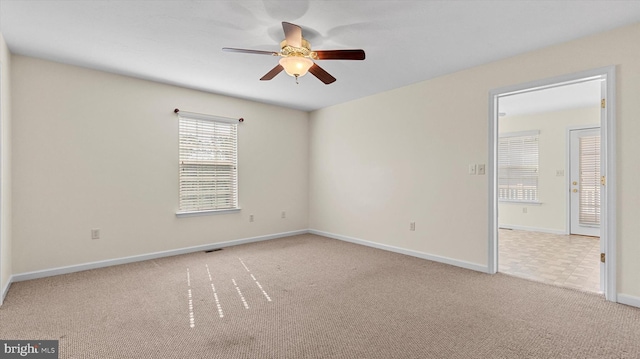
[271, 74]
[321, 74]
[293, 34]
[340, 54]
[245, 51]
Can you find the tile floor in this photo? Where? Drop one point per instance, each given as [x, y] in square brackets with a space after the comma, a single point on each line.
[565, 260]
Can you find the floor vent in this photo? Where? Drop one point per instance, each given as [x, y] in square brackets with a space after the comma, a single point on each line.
[213, 250]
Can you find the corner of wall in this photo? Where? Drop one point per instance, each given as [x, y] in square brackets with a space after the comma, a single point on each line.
[5, 170]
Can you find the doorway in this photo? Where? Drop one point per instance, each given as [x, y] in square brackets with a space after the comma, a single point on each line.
[606, 176]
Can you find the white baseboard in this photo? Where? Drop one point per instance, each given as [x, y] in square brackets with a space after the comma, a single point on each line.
[144, 257]
[532, 229]
[629, 300]
[431, 257]
[5, 290]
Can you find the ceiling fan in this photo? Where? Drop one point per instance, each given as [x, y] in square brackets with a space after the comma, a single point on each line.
[296, 57]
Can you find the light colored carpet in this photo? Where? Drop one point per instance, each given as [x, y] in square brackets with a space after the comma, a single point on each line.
[316, 298]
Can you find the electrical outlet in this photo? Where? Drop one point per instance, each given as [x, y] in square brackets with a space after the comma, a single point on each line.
[472, 169]
[251, 218]
[95, 233]
[524, 210]
[481, 169]
[283, 214]
[412, 226]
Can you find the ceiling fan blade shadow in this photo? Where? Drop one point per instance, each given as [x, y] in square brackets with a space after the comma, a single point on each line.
[286, 9]
[292, 33]
[311, 35]
[247, 51]
[356, 33]
[271, 74]
[341, 54]
[321, 74]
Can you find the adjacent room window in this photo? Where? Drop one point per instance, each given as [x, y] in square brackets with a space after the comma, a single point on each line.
[518, 166]
[208, 163]
[589, 207]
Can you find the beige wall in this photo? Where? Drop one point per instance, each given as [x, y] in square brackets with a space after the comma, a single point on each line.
[5, 167]
[94, 150]
[97, 150]
[551, 214]
[379, 162]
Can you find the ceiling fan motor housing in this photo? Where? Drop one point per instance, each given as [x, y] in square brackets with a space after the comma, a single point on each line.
[303, 51]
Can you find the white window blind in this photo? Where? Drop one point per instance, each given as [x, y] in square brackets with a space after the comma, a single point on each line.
[590, 180]
[208, 164]
[518, 167]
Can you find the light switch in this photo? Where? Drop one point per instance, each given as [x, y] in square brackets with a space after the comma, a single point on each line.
[472, 169]
[481, 169]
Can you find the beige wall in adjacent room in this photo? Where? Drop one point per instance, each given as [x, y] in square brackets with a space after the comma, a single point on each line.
[97, 150]
[5, 167]
[381, 162]
[551, 214]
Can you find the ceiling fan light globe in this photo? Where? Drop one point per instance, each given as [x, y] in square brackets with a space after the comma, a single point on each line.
[296, 66]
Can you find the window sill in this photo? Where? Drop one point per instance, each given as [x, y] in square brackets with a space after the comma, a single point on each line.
[530, 203]
[206, 212]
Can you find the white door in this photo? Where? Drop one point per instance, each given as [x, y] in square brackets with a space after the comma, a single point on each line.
[585, 182]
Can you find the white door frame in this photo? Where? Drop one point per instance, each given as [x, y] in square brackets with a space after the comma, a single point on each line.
[608, 153]
[2, 239]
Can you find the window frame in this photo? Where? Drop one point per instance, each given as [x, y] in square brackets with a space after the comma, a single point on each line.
[208, 158]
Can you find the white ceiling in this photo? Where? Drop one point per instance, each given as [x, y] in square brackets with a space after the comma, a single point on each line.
[179, 42]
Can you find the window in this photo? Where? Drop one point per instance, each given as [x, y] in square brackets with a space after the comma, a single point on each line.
[518, 167]
[589, 206]
[208, 163]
